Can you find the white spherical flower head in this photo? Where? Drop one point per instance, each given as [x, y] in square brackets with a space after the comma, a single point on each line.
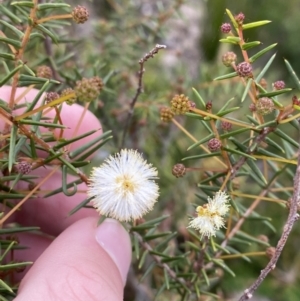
[219, 203]
[123, 187]
[204, 225]
[210, 216]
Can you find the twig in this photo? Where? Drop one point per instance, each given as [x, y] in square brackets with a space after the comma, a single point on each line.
[292, 218]
[140, 86]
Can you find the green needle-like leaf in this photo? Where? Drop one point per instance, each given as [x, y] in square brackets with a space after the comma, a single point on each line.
[85, 147]
[12, 42]
[154, 236]
[274, 144]
[7, 231]
[292, 73]
[274, 93]
[255, 24]
[10, 75]
[248, 86]
[234, 251]
[5, 287]
[159, 247]
[232, 19]
[228, 111]
[10, 14]
[234, 133]
[199, 97]
[18, 32]
[32, 80]
[250, 45]
[166, 277]
[38, 96]
[10, 266]
[260, 53]
[47, 32]
[44, 124]
[226, 76]
[12, 143]
[160, 290]
[231, 39]
[214, 154]
[260, 177]
[221, 263]
[44, 6]
[143, 258]
[8, 56]
[286, 137]
[235, 151]
[67, 142]
[251, 238]
[266, 68]
[149, 224]
[207, 138]
[28, 4]
[80, 205]
[94, 149]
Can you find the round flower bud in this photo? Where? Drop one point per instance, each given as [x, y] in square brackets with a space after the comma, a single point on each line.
[98, 82]
[68, 91]
[226, 27]
[244, 69]
[180, 104]
[23, 168]
[239, 18]
[270, 252]
[166, 114]
[44, 72]
[279, 85]
[50, 96]
[265, 106]
[87, 89]
[228, 58]
[263, 238]
[80, 14]
[208, 105]
[226, 126]
[178, 170]
[192, 105]
[214, 144]
[263, 83]
[252, 107]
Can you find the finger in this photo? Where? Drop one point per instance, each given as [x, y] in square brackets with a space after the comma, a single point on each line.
[52, 214]
[35, 244]
[83, 263]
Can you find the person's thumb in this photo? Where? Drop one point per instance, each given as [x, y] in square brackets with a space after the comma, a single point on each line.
[83, 263]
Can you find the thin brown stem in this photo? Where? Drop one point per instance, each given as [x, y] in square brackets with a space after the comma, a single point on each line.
[292, 218]
[140, 87]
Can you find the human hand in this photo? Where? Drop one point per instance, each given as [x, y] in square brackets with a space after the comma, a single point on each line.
[74, 259]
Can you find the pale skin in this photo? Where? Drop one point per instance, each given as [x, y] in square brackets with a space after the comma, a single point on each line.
[74, 259]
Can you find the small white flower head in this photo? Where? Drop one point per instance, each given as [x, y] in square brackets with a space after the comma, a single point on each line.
[123, 187]
[210, 216]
